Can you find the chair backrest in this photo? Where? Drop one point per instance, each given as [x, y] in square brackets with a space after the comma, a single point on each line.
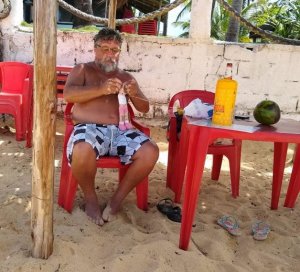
[13, 75]
[62, 73]
[185, 97]
[148, 28]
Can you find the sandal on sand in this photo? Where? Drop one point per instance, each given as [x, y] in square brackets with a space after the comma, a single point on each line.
[175, 215]
[230, 224]
[166, 207]
[260, 230]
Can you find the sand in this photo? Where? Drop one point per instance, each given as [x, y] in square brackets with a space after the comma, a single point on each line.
[139, 241]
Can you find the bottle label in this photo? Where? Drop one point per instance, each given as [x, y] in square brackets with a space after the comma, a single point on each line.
[218, 108]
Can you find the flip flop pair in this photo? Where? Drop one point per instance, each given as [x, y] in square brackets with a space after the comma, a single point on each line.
[260, 229]
[167, 207]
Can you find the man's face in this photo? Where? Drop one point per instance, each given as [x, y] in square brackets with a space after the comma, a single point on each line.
[107, 55]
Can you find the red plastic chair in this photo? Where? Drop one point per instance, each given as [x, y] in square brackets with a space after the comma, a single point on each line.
[62, 73]
[232, 152]
[128, 28]
[16, 94]
[148, 28]
[68, 184]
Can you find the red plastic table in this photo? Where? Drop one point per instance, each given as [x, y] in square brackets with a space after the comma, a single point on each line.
[197, 135]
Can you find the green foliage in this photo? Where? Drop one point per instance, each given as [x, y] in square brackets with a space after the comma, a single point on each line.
[282, 15]
[26, 24]
[184, 25]
[219, 23]
[89, 28]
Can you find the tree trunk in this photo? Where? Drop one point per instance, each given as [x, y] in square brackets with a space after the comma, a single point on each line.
[44, 127]
[232, 34]
[84, 6]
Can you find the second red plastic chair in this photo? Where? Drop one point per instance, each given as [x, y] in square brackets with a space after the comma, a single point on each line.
[16, 94]
[232, 152]
[68, 184]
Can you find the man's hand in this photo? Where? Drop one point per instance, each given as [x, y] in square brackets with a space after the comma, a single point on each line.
[131, 88]
[112, 86]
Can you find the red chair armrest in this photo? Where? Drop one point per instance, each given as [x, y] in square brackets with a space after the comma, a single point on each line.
[140, 127]
[68, 114]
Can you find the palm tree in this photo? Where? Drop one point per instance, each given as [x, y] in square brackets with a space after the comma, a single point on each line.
[233, 30]
[219, 23]
[185, 25]
[283, 16]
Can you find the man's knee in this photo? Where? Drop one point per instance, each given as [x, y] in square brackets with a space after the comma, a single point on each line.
[83, 154]
[148, 152]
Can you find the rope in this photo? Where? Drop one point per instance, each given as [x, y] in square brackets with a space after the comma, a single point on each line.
[6, 9]
[257, 30]
[167, 8]
[100, 20]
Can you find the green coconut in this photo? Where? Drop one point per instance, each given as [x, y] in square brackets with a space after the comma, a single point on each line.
[267, 112]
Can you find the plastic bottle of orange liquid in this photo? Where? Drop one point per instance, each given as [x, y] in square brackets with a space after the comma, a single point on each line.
[225, 96]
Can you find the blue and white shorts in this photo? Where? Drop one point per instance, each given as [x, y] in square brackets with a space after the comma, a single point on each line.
[107, 140]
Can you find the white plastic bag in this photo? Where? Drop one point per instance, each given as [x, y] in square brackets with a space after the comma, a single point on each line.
[197, 109]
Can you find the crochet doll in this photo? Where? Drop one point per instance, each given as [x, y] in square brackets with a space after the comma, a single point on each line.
[123, 111]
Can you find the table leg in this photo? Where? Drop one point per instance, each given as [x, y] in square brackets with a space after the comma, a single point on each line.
[198, 145]
[294, 185]
[280, 150]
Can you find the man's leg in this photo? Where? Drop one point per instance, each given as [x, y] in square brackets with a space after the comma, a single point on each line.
[143, 162]
[84, 170]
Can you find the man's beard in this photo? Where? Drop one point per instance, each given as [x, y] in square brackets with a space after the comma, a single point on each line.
[108, 65]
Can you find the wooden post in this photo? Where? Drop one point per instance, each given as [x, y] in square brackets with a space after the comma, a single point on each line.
[44, 127]
[112, 14]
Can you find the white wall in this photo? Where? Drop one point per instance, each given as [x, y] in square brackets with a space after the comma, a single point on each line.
[15, 17]
[164, 66]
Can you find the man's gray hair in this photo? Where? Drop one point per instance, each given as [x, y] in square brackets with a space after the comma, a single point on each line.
[108, 34]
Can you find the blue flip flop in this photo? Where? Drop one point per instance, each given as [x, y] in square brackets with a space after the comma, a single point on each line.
[230, 224]
[260, 230]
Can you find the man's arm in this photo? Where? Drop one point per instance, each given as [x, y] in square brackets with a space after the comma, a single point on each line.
[139, 100]
[76, 91]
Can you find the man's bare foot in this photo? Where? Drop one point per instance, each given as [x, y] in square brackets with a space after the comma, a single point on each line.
[107, 216]
[93, 212]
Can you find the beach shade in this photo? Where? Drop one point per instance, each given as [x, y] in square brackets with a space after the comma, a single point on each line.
[68, 184]
[232, 151]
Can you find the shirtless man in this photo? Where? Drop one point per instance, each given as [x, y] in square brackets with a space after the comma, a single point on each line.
[93, 87]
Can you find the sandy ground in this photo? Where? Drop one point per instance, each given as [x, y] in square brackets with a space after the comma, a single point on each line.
[139, 241]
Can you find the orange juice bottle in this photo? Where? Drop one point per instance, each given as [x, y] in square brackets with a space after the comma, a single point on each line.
[225, 96]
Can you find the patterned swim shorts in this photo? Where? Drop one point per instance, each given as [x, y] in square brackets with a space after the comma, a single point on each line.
[107, 140]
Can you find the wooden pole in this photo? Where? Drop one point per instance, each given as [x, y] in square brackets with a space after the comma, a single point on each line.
[44, 127]
[112, 14]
